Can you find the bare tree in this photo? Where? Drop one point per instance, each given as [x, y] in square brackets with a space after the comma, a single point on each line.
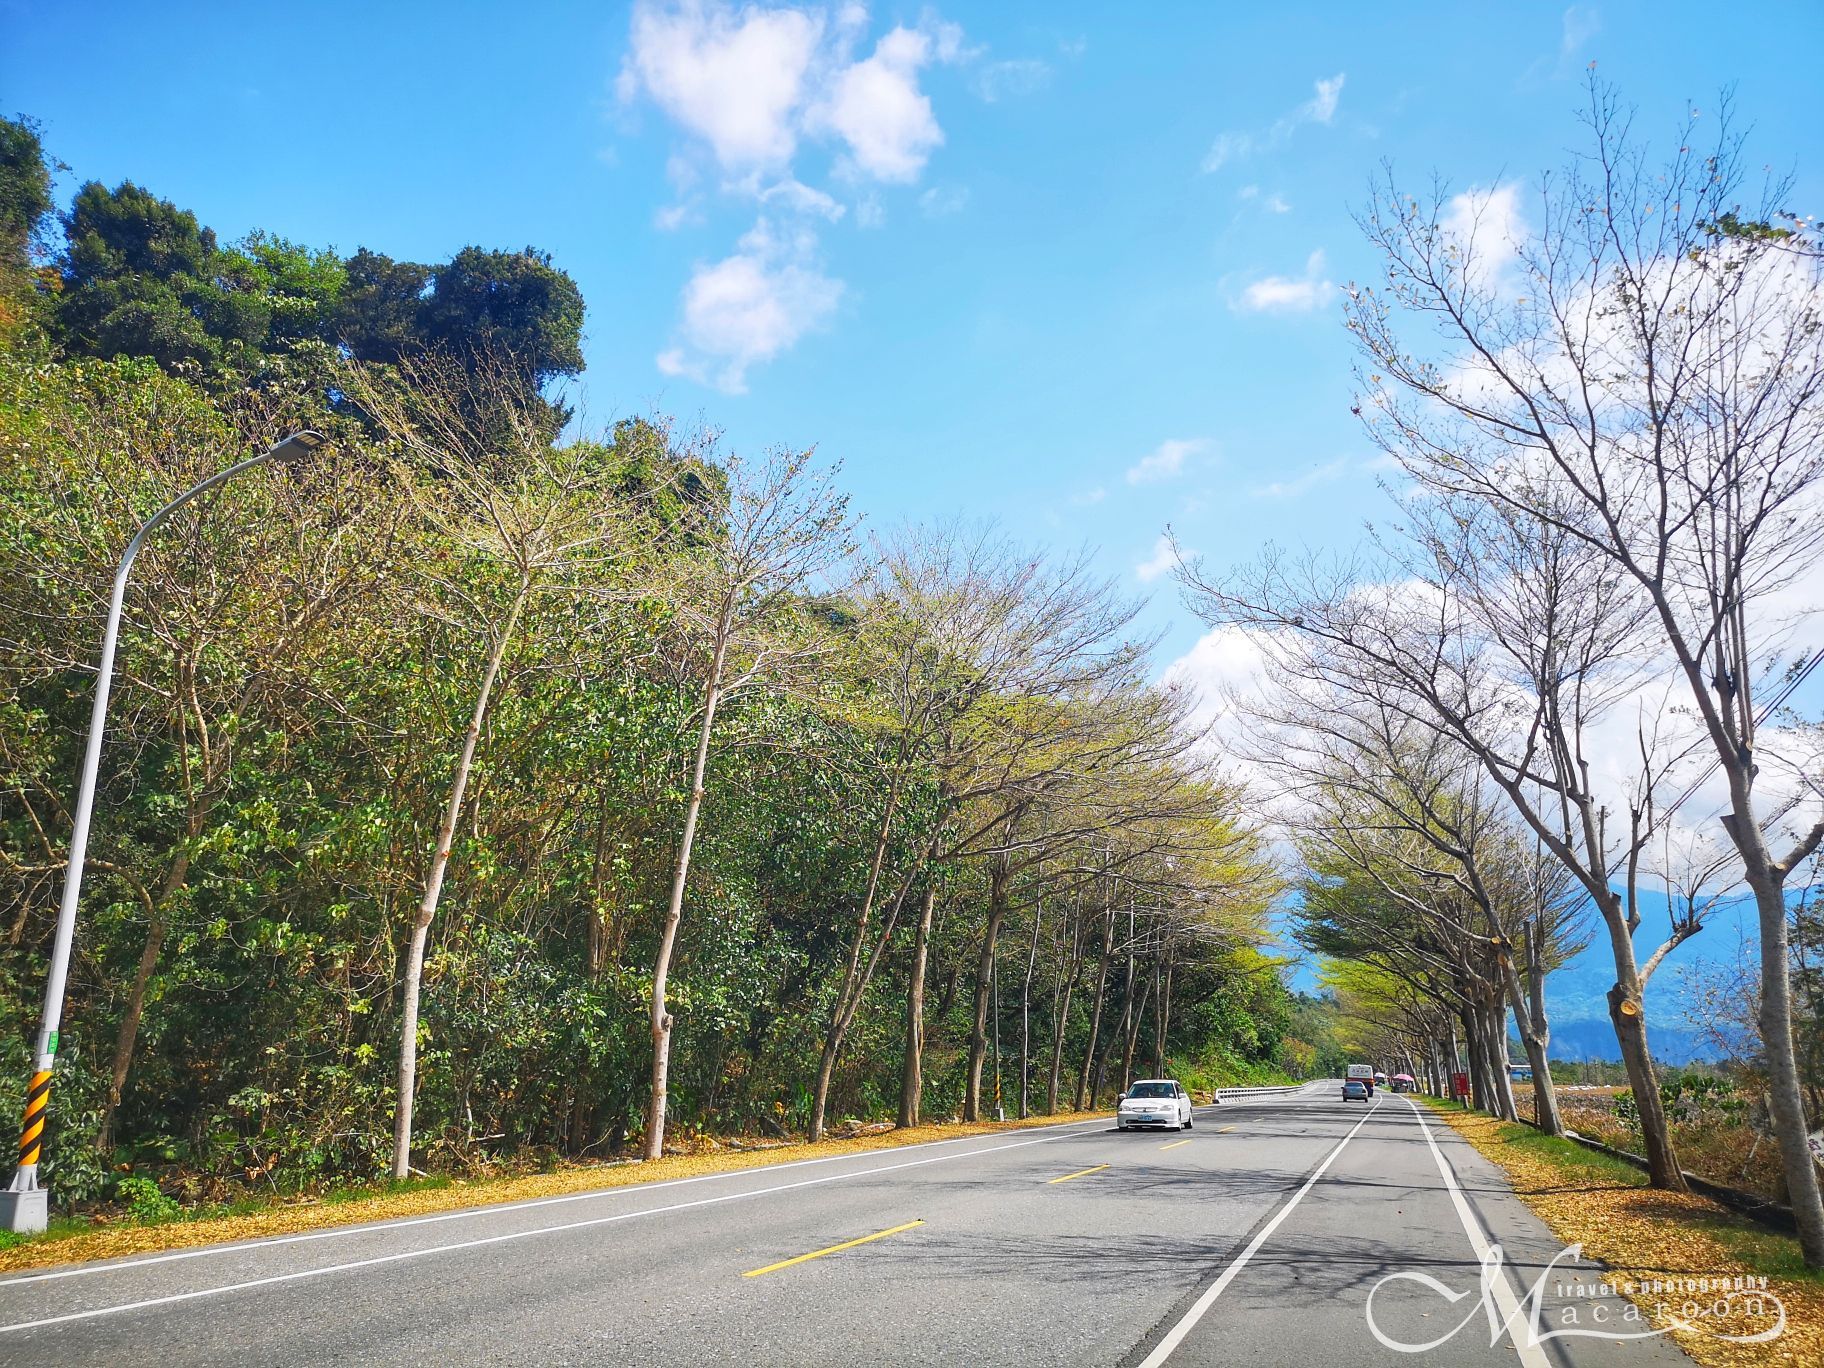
[1408, 808]
[996, 668]
[1516, 643]
[739, 602]
[1642, 376]
[517, 518]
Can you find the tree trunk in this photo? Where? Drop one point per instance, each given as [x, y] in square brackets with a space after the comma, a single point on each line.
[1497, 1044]
[848, 996]
[129, 1027]
[157, 924]
[984, 974]
[1132, 1045]
[994, 993]
[1476, 1060]
[911, 1083]
[1631, 1034]
[1785, 1103]
[433, 893]
[1535, 1030]
[1162, 1016]
[1060, 1016]
[1120, 1035]
[1095, 1018]
[674, 909]
[1032, 962]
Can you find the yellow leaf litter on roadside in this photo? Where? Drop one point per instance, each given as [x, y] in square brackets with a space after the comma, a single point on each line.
[291, 1218]
[1639, 1232]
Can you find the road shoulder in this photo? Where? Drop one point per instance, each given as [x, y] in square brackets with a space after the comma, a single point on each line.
[1646, 1239]
[290, 1218]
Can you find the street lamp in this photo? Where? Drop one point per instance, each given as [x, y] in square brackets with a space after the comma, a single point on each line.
[24, 1206]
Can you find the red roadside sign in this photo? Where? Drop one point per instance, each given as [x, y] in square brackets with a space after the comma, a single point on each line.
[1459, 1085]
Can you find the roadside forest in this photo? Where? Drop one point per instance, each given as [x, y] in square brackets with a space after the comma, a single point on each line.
[488, 788]
[1554, 699]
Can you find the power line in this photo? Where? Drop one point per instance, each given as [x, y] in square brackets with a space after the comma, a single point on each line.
[1766, 711]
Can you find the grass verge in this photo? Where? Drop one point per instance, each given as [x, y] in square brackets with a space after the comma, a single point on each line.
[77, 1241]
[1639, 1233]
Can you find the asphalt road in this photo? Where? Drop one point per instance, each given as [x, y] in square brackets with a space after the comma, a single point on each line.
[1258, 1237]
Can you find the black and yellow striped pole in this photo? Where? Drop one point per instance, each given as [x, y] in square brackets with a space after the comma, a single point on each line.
[24, 1205]
[37, 1102]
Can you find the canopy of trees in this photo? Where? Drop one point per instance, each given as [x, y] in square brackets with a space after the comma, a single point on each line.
[475, 792]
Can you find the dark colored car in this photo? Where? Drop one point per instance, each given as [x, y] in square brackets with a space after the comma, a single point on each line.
[1354, 1090]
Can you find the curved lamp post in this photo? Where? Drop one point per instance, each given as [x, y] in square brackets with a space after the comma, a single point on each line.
[25, 1207]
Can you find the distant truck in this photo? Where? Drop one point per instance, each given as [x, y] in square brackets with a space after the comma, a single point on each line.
[1363, 1074]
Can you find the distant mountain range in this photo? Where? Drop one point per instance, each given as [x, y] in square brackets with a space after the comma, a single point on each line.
[1576, 995]
[1595, 1040]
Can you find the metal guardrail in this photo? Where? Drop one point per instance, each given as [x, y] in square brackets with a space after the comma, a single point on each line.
[1222, 1093]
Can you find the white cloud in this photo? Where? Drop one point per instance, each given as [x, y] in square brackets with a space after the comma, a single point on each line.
[746, 85]
[1289, 294]
[1580, 24]
[749, 307]
[1012, 78]
[942, 202]
[1163, 560]
[1272, 204]
[751, 82]
[1226, 662]
[876, 108]
[1234, 145]
[1227, 148]
[734, 80]
[1322, 106]
[1487, 227]
[1576, 27]
[796, 195]
[1303, 484]
[1166, 460]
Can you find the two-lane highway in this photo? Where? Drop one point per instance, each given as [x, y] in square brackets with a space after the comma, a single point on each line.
[1259, 1236]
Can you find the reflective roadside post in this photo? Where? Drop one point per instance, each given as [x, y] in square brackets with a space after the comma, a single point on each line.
[24, 1206]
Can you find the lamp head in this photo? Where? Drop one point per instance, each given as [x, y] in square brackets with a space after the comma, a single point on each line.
[299, 445]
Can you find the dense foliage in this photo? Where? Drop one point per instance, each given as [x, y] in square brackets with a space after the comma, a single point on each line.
[937, 791]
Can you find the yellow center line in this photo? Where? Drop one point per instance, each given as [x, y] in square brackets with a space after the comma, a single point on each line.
[1174, 1144]
[1078, 1174]
[833, 1249]
[1225, 1130]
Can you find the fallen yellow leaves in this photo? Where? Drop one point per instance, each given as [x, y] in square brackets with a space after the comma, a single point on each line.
[1640, 1233]
[291, 1218]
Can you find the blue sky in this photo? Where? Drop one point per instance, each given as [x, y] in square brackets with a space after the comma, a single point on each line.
[1073, 267]
[1088, 237]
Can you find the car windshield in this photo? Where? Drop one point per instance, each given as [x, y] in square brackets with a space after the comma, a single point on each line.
[1153, 1090]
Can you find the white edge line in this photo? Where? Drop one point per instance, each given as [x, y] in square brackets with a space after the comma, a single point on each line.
[1175, 1336]
[486, 1209]
[511, 1235]
[1512, 1319]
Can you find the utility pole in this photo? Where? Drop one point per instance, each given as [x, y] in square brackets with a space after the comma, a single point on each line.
[25, 1206]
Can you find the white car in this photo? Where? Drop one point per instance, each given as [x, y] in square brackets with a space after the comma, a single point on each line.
[1154, 1102]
